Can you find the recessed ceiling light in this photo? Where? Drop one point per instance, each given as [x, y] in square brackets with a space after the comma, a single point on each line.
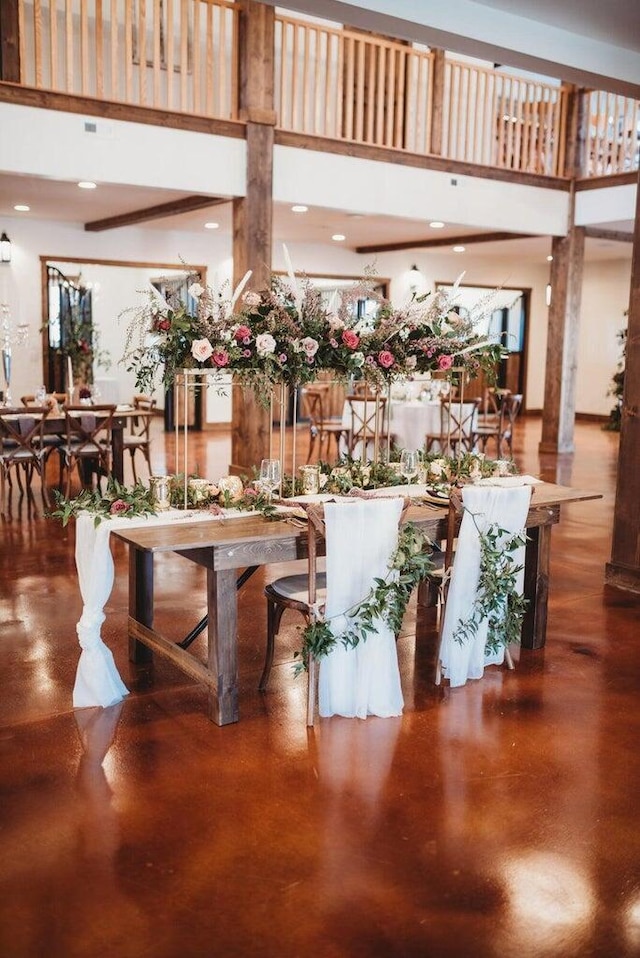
[211, 226]
[459, 249]
[549, 258]
[338, 237]
[21, 208]
[86, 185]
[299, 208]
[437, 225]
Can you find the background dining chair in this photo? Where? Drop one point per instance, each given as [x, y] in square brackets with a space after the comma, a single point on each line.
[457, 426]
[367, 424]
[306, 593]
[139, 438]
[21, 449]
[321, 426]
[501, 429]
[87, 444]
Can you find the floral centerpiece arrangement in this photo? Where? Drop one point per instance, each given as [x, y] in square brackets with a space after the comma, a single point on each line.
[287, 334]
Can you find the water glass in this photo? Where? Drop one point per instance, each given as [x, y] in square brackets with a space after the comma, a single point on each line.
[409, 463]
[270, 475]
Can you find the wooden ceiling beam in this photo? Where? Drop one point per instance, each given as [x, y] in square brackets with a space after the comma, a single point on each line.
[466, 240]
[175, 207]
[618, 236]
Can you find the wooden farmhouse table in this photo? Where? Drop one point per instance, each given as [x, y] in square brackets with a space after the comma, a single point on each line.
[225, 547]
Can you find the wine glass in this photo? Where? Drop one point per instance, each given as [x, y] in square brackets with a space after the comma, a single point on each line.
[409, 463]
[41, 395]
[270, 475]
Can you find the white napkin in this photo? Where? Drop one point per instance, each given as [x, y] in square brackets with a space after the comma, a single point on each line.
[508, 482]
[508, 508]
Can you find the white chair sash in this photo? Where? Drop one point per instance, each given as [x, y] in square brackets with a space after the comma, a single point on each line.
[488, 504]
[361, 536]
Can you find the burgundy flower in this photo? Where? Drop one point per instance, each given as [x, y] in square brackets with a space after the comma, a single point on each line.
[220, 357]
[118, 507]
[242, 333]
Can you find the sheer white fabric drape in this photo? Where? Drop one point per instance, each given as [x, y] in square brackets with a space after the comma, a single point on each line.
[488, 504]
[355, 682]
[97, 679]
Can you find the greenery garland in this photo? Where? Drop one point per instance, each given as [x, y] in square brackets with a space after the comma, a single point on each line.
[498, 599]
[410, 563]
[118, 500]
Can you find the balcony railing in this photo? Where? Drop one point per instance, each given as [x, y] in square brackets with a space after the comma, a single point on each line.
[182, 56]
[177, 55]
[613, 135]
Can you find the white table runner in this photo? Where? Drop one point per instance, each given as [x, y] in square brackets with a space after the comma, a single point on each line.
[98, 682]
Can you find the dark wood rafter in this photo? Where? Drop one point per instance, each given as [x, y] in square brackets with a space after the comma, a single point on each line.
[467, 239]
[624, 568]
[617, 236]
[186, 205]
[385, 154]
[9, 41]
[130, 113]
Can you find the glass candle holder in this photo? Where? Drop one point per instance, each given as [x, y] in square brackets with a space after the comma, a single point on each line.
[310, 480]
[160, 492]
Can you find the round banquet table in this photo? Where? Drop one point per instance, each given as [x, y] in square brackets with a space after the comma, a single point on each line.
[411, 421]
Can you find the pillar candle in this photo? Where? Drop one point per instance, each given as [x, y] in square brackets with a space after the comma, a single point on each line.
[69, 374]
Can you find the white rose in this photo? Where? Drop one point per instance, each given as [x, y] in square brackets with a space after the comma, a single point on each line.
[358, 359]
[437, 469]
[201, 349]
[265, 344]
[196, 290]
[411, 362]
[251, 299]
[310, 346]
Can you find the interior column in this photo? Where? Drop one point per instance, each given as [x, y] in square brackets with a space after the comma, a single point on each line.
[252, 213]
[624, 569]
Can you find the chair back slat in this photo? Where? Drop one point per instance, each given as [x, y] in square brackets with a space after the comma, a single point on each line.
[21, 432]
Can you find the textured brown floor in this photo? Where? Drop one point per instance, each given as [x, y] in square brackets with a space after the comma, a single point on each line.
[500, 819]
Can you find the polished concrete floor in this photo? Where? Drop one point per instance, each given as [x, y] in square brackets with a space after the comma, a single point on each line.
[500, 819]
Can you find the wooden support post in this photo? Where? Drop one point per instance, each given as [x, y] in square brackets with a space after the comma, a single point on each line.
[559, 413]
[252, 213]
[9, 42]
[624, 569]
[558, 416]
[437, 100]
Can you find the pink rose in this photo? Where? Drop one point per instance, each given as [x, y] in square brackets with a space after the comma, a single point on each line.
[220, 357]
[242, 333]
[385, 359]
[201, 349]
[445, 362]
[310, 346]
[350, 339]
[118, 507]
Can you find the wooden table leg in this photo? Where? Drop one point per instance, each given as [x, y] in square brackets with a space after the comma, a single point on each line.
[222, 603]
[536, 587]
[117, 452]
[140, 600]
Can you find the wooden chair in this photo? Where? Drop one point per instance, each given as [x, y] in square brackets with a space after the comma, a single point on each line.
[321, 427]
[87, 442]
[457, 426]
[139, 438]
[366, 415]
[22, 449]
[305, 593]
[501, 429]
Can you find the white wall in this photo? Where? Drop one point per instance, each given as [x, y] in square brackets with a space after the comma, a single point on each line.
[605, 294]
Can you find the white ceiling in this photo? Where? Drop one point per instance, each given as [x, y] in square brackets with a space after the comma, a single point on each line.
[64, 202]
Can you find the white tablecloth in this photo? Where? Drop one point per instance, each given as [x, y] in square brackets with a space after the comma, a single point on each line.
[97, 679]
[411, 421]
